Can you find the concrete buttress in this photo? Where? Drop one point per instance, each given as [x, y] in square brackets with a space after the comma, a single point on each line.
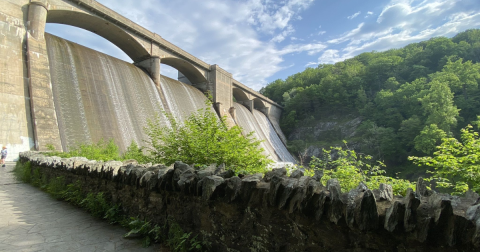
[45, 128]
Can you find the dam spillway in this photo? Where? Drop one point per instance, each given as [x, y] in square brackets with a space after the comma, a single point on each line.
[100, 97]
[263, 130]
[272, 137]
[97, 97]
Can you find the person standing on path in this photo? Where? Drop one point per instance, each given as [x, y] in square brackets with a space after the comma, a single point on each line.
[4, 155]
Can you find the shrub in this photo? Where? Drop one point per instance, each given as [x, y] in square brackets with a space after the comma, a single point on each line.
[179, 241]
[350, 168]
[73, 193]
[135, 152]
[140, 227]
[56, 187]
[203, 139]
[97, 151]
[22, 171]
[96, 204]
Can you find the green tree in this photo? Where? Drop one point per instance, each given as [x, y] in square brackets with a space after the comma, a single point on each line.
[438, 106]
[434, 82]
[409, 129]
[428, 138]
[461, 76]
[456, 163]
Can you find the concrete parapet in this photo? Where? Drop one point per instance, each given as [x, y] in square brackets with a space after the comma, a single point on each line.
[275, 212]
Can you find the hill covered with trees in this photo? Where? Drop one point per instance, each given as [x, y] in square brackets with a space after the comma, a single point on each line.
[405, 100]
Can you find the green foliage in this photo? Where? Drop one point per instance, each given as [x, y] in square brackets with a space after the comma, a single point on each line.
[97, 151]
[23, 171]
[429, 138]
[400, 91]
[56, 187]
[36, 178]
[350, 168]
[96, 204]
[135, 152]
[50, 147]
[171, 234]
[203, 139]
[101, 151]
[179, 241]
[438, 106]
[73, 193]
[143, 229]
[456, 163]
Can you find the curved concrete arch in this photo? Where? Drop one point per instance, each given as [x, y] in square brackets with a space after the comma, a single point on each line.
[187, 69]
[258, 103]
[239, 94]
[103, 28]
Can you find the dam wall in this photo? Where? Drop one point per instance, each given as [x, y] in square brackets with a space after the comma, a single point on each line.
[97, 96]
[16, 129]
[276, 212]
[57, 93]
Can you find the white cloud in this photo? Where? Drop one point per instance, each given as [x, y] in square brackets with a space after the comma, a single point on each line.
[227, 33]
[311, 49]
[281, 36]
[268, 16]
[403, 22]
[354, 15]
[249, 38]
[330, 56]
[231, 33]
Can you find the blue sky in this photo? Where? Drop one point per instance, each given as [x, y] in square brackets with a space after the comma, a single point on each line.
[259, 41]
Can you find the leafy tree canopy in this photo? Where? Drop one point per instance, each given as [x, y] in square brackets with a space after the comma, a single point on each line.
[456, 163]
[408, 97]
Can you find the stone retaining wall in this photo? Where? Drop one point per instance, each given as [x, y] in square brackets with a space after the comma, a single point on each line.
[275, 212]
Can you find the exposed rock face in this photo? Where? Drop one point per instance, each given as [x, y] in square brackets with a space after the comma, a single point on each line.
[275, 212]
[330, 129]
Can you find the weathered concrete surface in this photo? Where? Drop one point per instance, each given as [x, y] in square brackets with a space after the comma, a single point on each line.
[30, 220]
[15, 127]
[40, 86]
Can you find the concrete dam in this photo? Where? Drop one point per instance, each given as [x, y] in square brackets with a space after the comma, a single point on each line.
[61, 93]
[98, 96]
